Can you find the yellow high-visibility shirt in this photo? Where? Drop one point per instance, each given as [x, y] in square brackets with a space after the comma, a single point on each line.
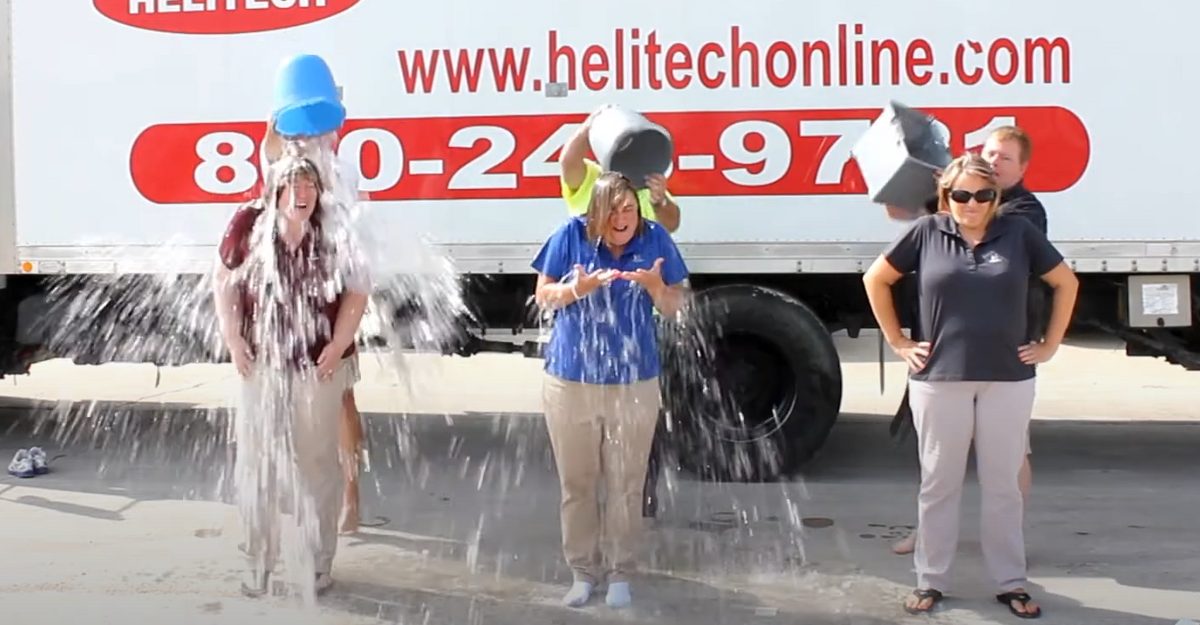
[577, 202]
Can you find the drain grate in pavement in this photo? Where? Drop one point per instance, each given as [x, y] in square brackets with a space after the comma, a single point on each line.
[886, 532]
[717, 522]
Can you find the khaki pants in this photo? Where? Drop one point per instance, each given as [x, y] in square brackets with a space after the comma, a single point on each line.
[948, 415]
[601, 432]
[287, 460]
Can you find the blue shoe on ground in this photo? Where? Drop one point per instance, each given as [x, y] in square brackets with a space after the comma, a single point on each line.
[21, 465]
[38, 458]
[618, 595]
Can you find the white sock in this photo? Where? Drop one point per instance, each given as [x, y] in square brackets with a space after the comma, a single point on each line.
[578, 595]
[618, 595]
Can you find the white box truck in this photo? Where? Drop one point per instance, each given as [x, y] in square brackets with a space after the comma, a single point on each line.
[129, 124]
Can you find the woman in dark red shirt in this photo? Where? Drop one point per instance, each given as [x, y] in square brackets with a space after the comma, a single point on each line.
[289, 309]
[352, 434]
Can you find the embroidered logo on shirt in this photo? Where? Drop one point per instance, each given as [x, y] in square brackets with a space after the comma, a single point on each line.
[992, 258]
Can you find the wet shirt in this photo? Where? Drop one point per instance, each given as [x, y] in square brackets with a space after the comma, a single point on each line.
[303, 312]
[973, 301]
[609, 336]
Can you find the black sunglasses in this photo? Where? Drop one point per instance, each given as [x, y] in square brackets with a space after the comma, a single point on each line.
[983, 196]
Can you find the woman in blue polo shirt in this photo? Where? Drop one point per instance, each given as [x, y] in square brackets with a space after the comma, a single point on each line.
[602, 274]
[972, 377]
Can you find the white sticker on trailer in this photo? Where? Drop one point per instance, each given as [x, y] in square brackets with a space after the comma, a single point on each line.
[1160, 299]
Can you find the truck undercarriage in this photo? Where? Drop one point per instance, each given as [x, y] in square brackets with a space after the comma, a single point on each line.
[752, 381]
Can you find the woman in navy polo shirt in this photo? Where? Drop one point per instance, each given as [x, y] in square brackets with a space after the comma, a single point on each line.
[972, 378]
[603, 274]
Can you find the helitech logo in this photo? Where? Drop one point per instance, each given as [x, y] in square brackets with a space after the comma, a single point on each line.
[219, 17]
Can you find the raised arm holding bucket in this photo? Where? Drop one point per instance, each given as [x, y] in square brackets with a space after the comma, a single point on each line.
[627, 143]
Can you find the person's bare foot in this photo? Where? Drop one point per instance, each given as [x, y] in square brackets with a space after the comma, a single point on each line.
[905, 545]
[922, 601]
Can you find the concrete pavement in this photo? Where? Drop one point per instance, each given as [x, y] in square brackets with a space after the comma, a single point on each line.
[133, 525]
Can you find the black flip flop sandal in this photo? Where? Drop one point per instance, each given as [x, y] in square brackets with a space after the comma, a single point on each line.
[923, 594]
[1021, 597]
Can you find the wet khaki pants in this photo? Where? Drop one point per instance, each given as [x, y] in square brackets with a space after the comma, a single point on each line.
[601, 433]
[948, 415]
[287, 460]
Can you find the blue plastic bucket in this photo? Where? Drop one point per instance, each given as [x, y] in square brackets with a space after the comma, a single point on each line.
[306, 98]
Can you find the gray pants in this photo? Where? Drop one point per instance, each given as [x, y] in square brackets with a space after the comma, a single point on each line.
[287, 461]
[948, 415]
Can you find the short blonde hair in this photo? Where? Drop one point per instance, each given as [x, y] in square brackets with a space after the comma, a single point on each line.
[1012, 133]
[969, 164]
[607, 192]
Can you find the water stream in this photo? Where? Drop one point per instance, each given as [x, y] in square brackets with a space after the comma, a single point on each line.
[417, 304]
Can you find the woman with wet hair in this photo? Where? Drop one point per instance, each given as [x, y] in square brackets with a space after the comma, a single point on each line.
[351, 432]
[972, 377]
[289, 307]
[602, 275]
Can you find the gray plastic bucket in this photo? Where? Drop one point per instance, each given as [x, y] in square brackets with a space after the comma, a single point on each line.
[626, 142]
[899, 154]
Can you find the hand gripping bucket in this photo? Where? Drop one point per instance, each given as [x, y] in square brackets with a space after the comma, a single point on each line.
[626, 142]
[306, 98]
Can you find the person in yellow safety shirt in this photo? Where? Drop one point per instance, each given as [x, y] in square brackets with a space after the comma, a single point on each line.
[579, 176]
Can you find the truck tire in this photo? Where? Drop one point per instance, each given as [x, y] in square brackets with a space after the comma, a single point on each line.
[752, 385]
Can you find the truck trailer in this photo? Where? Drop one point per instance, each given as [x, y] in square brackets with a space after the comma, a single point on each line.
[143, 134]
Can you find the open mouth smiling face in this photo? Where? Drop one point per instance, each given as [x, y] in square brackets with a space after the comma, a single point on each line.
[623, 220]
[299, 198]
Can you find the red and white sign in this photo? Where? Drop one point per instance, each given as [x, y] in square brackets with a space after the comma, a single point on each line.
[128, 129]
[219, 17]
[796, 152]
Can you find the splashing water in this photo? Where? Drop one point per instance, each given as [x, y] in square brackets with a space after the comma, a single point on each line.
[713, 429]
[704, 433]
[416, 304]
[168, 318]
